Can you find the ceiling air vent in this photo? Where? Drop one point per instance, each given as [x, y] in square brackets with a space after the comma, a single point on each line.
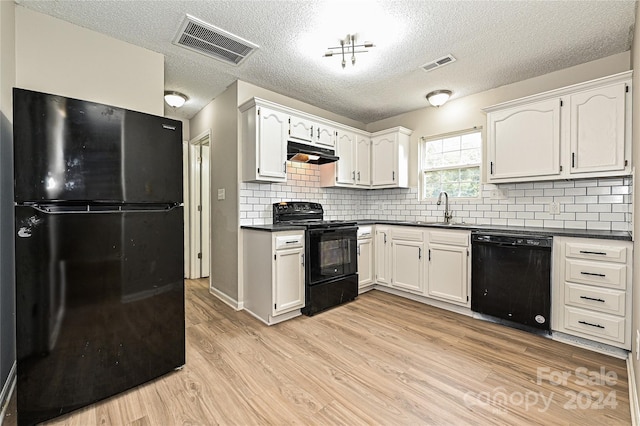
[430, 66]
[214, 42]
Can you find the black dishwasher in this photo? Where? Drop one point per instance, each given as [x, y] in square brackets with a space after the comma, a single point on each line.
[511, 278]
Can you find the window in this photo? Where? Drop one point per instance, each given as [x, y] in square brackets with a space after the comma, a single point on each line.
[451, 163]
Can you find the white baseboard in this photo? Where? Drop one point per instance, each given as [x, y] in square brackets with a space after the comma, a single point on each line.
[7, 391]
[633, 392]
[225, 298]
[427, 301]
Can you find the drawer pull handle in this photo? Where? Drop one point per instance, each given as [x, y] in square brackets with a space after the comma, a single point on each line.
[592, 325]
[292, 242]
[592, 298]
[593, 275]
[599, 253]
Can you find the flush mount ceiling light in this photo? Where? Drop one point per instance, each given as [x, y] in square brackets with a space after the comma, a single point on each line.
[438, 97]
[349, 45]
[175, 99]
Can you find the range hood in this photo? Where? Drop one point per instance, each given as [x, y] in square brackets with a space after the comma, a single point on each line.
[310, 154]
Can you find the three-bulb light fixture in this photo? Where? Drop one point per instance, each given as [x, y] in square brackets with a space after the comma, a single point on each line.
[348, 45]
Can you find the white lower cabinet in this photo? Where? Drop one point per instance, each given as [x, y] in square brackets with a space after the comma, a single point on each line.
[592, 289]
[365, 257]
[407, 250]
[273, 281]
[448, 269]
[382, 249]
[428, 262]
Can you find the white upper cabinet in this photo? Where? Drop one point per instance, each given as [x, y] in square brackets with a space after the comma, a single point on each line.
[598, 129]
[266, 127]
[524, 141]
[345, 149]
[301, 128]
[325, 135]
[363, 160]
[354, 167]
[308, 130]
[264, 143]
[578, 131]
[390, 158]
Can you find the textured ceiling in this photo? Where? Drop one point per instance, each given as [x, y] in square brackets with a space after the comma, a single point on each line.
[495, 43]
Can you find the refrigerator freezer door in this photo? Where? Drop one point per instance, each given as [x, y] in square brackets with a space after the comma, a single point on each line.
[99, 302]
[72, 150]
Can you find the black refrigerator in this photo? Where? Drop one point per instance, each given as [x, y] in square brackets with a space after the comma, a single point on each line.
[99, 251]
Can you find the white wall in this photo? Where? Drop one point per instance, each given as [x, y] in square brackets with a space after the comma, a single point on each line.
[7, 252]
[54, 56]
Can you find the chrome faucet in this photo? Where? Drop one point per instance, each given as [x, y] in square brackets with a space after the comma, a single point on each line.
[447, 214]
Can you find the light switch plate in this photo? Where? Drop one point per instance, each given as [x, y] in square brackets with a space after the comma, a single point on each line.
[221, 194]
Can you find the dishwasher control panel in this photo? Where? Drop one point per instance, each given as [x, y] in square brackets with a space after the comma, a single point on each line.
[512, 239]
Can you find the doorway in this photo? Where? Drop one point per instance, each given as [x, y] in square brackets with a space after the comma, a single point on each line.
[197, 206]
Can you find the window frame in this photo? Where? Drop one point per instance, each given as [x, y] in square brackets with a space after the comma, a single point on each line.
[421, 169]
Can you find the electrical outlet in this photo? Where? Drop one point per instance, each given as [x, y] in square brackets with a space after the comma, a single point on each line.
[499, 194]
[554, 208]
[221, 194]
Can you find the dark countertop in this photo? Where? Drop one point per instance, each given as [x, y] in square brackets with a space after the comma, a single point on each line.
[556, 232]
[274, 228]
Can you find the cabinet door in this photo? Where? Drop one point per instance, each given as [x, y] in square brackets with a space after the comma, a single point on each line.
[408, 265]
[325, 135]
[363, 160]
[598, 129]
[272, 141]
[365, 262]
[384, 160]
[524, 141]
[345, 147]
[383, 256]
[300, 128]
[288, 280]
[448, 273]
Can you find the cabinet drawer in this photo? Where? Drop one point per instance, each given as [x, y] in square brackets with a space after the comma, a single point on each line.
[596, 273]
[289, 241]
[453, 238]
[596, 252]
[364, 232]
[594, 298]
[595, 324]
[407, 234]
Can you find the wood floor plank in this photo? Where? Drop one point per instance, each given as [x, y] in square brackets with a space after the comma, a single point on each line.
[379, 360]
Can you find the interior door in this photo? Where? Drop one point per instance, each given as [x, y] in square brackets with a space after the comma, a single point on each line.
[198, 224]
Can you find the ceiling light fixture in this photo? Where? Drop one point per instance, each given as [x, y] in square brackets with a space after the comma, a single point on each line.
[175, 99]
[438, 97]
[348, 43]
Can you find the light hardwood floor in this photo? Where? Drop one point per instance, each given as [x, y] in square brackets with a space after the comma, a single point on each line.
[378, 360]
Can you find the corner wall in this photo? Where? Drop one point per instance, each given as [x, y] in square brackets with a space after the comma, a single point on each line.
[221, 116]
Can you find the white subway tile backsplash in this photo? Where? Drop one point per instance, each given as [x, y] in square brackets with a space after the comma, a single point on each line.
[599, 190]
[584, 204]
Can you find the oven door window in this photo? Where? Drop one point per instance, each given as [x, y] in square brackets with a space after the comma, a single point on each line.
[332, 254]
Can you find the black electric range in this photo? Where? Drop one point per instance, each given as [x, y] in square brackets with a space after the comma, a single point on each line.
[331, 273]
